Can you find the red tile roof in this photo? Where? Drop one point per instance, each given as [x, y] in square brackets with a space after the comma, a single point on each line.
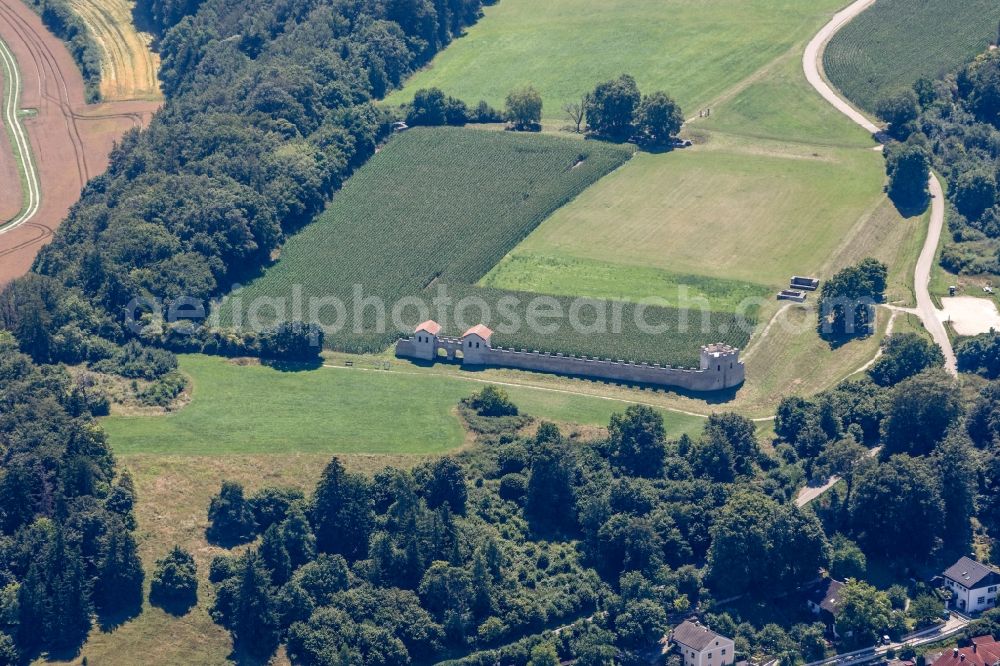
[479, 330]
[984, 652]
[430, 326]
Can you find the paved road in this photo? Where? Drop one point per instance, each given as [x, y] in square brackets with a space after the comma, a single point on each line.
[951, 627]
[22, 148]
[922, 277]
[811, 64]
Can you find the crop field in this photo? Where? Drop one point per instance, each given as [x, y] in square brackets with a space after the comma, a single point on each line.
[895, 42]
[694, 50]
[128, 64]
[333, 410]
[449, 203]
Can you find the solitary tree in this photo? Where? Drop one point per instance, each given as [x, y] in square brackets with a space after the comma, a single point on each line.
[175, 584]
[524, 108]
[611, 108]
[657, 119]
[577, 111]
[230, 516]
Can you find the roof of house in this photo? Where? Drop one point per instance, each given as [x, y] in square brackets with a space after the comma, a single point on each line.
[694, 635]
[480, 330]
[825, 593]
[429, 326]
[970, 573]
[984, 651]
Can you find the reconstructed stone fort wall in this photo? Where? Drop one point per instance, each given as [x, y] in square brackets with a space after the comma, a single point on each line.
[720, 369]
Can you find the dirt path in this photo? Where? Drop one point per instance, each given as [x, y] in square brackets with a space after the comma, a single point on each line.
[68, 141]
[11, 200]
[812, 63]
[19, 154]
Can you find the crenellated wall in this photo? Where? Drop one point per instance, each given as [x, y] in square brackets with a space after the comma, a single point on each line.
[721, 368]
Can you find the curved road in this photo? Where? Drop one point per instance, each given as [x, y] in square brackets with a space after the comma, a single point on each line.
[11, 102]
[812, 63]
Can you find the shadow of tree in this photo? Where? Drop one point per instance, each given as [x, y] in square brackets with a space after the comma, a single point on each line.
[110, 619]
[292, 366]
[177, 606]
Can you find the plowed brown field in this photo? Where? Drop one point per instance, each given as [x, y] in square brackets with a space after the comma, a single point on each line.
[70, 140]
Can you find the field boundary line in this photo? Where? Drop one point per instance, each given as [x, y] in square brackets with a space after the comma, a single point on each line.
[20, 144]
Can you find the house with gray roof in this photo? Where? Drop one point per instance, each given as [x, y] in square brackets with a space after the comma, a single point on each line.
[700, 646]
[973, 585]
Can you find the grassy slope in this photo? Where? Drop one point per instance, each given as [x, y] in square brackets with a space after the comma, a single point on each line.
[256, 409]
[695, 50]
[896, 42]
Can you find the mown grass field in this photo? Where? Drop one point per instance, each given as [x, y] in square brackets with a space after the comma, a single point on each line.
[695, 50]
[567, 275]
[896, 42]
[129, 65]
[255, 409]
[723, 211]
[439, 208]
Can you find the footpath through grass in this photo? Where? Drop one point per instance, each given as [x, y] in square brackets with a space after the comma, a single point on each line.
[895, 42]
[261, 410]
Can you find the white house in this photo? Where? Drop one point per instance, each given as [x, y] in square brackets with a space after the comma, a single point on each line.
[973, 585]
[700, 646]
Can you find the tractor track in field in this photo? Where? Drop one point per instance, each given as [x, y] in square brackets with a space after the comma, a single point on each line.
[59, 147]
[20, 144]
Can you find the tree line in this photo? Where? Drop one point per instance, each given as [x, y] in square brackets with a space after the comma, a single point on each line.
[952, 123]
[614, 111]
[68, 554]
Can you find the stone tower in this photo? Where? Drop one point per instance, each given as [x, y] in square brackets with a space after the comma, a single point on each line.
[723, 361]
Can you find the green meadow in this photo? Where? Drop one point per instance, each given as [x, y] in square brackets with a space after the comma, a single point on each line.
[255, 409]
[694, 50]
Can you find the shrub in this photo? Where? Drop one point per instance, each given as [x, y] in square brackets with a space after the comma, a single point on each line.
[175, 584]
[514, 487]
[270, 505]
[493, 401]
[136, 361]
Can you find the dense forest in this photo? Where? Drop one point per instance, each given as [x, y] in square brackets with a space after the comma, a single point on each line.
[67, 552]
[269, 109]
[479, 557]
[953, 124]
